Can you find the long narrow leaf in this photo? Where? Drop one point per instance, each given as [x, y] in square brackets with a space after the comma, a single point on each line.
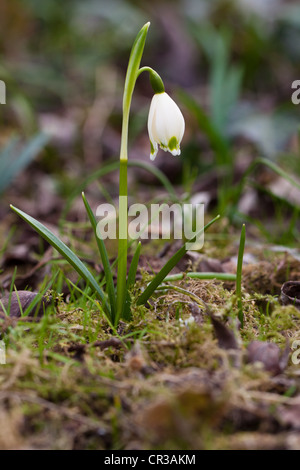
[134, 64]
[169, 266]
[68, 254]
[133, 266]
[204, 276]
[104, 258]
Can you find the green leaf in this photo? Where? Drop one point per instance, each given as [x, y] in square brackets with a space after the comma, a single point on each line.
[133, 266]
[67, 254]
[158, 279]
[134, 64]
[203, 275]
[105, 261]
[126, 313]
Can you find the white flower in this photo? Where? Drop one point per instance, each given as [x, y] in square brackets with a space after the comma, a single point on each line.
[165, 125]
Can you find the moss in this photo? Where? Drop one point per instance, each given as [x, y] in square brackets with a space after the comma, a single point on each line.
[161, 383]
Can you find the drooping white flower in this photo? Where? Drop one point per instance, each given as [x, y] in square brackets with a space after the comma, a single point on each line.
[165, 125]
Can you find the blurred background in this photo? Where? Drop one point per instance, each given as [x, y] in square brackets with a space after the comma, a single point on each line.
[229, 65]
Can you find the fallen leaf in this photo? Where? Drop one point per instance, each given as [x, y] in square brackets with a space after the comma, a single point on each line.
[269, 354]
[19, 301]
[225, 336]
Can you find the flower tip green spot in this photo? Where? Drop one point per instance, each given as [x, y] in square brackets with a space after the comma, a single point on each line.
[173, 146]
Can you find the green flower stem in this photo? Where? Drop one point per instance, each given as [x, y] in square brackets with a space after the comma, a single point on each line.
[130, 80]
[122, 242]
[155, 80]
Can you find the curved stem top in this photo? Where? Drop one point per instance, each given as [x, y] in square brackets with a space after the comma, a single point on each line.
[131, 76]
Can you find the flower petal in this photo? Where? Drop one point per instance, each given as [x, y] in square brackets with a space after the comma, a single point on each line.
[165, 125]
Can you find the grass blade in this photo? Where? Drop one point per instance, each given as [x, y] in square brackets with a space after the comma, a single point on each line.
[105, 261]
[169, 266]
[68, 254]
